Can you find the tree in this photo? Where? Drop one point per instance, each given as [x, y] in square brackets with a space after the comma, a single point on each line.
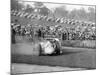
[41, 8]
[79, 14]
[44, 11]
[29, 9]
[91, 9]
[15, 5]
[82, 14]
[38, 4]
[73, 14]
[91, 14]
[60, 11]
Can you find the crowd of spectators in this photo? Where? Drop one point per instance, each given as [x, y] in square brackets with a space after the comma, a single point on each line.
[80, 30]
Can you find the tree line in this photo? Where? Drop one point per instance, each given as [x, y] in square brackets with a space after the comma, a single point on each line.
[40, 8]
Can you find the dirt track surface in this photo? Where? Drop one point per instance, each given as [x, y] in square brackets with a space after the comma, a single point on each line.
[27, 68]
[71, 57]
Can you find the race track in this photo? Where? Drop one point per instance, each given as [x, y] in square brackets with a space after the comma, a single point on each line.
[71, 57]
[30, 68]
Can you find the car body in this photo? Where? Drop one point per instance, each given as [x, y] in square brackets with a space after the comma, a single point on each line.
[50, 46]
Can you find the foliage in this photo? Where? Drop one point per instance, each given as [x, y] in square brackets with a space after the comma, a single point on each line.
[60, 12]
[15, 5]
[78, 14]
[41, 8]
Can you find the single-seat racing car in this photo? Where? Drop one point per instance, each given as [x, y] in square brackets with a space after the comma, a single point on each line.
[50, 46]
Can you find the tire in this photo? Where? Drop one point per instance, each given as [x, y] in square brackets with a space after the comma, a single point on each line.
[58, 48]
[40, 50]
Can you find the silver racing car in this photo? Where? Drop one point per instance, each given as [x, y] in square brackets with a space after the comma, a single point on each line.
[50, 46]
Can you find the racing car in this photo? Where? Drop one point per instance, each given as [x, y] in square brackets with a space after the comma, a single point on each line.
[50, 46]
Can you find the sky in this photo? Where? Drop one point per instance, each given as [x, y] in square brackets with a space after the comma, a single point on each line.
[68, 7]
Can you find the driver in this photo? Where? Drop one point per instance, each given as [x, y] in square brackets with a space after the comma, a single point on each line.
[47, 47]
